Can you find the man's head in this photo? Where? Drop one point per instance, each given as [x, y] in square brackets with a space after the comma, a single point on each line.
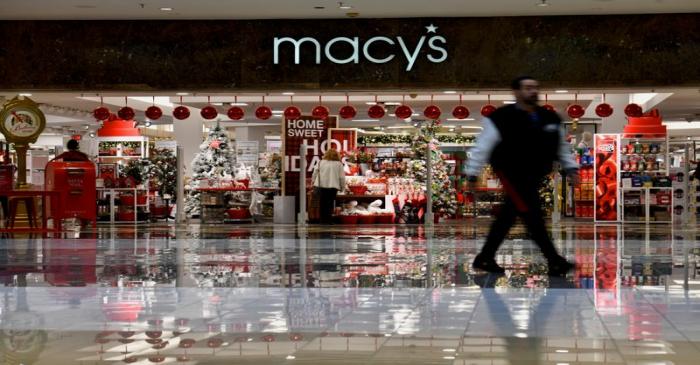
[73, 145]
[526, 90]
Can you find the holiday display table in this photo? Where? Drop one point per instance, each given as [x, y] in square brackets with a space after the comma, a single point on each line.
[33, 192]
[136, 198]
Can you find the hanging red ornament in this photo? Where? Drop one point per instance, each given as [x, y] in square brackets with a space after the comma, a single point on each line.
[575, 111]
[126, 113]
[487, 110]
[460, 112]
[235, 113]
[181, 112]
[154, 112]
[633, 110]
[209, 112]
[263, 112]
[432, 112]
[320, 112]
[101, 113]
[376, 111]
[603, 110]
[292, 112]
[549, 107]
[347, 112]
[403, 111]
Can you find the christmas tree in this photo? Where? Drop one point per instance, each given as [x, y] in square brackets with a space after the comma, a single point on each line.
[215, 160]
[444, 194]
[163, 171]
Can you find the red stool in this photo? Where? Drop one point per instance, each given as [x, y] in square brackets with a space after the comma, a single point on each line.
[31, 211]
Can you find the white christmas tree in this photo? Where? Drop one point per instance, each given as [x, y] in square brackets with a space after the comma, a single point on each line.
[444, 194]
[216, 160]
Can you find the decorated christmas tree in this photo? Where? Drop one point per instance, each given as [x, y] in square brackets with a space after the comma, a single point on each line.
[444, 194]
[215, 160]
[162, 174]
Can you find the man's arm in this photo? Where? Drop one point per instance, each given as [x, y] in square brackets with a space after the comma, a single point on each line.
[485, 143]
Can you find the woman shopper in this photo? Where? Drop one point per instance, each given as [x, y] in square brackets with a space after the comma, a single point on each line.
[328, 178]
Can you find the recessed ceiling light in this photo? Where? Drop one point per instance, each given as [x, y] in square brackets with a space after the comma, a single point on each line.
[371, 103]
[148, 124]
[166, 9]
[344, 6]
[291, 357]
[508, 102]
[449, 350]
[563, 351]
[543, 3]
[92, 135]
[448, 357]
[561, 91]
[392, 103]
[288, 93]
[182, 94]
[25, 94]
[217, 104]
[449, 92]
[452, 129]
[86, 127]
[239, 104]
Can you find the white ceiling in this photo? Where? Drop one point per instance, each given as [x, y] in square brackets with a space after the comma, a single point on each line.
[302, 9]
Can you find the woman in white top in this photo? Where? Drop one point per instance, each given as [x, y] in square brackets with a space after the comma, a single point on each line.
[329, 178]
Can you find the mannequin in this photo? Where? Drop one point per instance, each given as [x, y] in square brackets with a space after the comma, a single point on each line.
[586, 140]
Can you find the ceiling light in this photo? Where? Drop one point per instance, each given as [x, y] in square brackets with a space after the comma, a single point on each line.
[238, 104]
[392, 103]
[449, 350]
[365, 120]
[25, 94]
[92, 135]
[288, 93]
[380, 128]
[561, 91]
[543, 3]
[148, 124]
[452, 129]
[166, 9]
[371, 103]
[344, 6]
[448, 357]
[563, 351]
[449, 92]
[508, 102]
[217, 104]
[182, 94]
[86, 127]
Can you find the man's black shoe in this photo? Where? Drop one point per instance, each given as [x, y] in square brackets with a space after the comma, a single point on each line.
[488, 265]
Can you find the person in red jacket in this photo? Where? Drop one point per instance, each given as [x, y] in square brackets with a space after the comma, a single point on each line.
[73, 154]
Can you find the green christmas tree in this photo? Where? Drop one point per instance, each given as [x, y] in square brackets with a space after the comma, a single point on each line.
[163, 172]
[216, 160]
[444, 194]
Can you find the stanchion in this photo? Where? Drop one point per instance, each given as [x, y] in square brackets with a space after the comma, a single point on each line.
[180, 197]
[302, 216]
[429, 219]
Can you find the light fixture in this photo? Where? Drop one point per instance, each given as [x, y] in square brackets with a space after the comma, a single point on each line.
[449, 92]
[371, 103]
[508, 102]
[291, 357]
[238, 104]
[451, 129]
[392, 103]
[86, 127]
[561, 91]
[365, 120]
[148, 123]
[182, 94]
[25, 94]
[448, 357]
[563, 351]
[92, 135]
[166, 9]
[543, 3]
[344, 6]
[288, 93]
[449, 350]
[217, 104]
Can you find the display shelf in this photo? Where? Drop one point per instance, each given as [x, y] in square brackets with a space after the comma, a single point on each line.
[647, 204]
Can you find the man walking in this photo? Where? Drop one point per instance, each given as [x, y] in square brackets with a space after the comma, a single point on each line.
[521, 142]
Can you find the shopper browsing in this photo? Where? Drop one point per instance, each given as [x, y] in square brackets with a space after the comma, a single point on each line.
[329, 178]
[73, 154]
[521, 142]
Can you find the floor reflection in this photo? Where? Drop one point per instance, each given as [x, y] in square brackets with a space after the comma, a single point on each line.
[282, 294]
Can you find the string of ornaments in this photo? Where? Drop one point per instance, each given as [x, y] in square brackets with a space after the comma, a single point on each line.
[347, 111]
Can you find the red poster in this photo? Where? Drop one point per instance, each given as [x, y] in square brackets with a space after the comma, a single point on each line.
[607, 177]
[315, 133]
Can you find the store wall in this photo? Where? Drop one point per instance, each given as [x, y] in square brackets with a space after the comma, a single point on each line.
[580, 51]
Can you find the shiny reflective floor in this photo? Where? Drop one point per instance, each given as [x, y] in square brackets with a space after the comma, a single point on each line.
[271, 294]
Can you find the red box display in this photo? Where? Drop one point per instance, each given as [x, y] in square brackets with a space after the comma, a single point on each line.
[607, 177]
[75, 182]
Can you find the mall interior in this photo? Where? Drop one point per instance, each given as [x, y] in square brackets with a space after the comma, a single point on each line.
[187, 229]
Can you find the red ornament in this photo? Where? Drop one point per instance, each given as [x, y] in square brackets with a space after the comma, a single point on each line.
[603, 110]
[263, 112]
[181, 113]
[101, 113]
[208, 112]
[633, 110]
[460, 112]
[320, 112]
[403, 112]
[236, 113]
[575, 111]
[549, 107]
[347, 112]
[487, 110]
[292, 112]
[432, 112]
[154, 112]
[376, 111]
[126, 113]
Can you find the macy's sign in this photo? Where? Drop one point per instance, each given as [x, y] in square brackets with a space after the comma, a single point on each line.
[436, 54]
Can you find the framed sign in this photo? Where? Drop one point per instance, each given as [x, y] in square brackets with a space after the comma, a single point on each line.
[294, 133]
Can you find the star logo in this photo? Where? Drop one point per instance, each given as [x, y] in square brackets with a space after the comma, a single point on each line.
[431, 28]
